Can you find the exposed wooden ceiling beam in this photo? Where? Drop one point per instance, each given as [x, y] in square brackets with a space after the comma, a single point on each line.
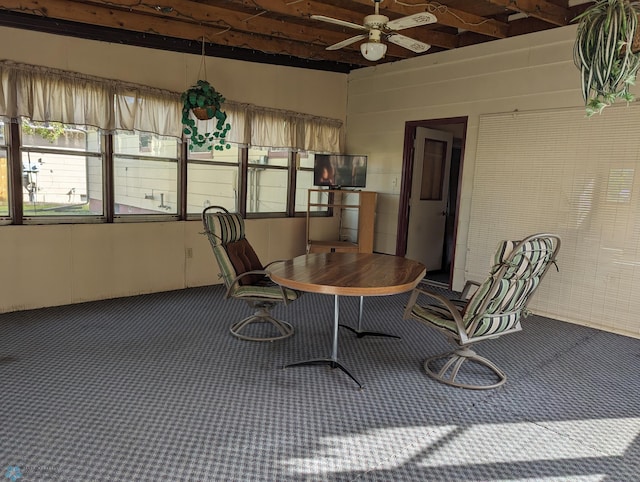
[446, 16]
[200, 14]
[540, 9]
[305, 8]
[115, 18]
[248, 29]
[36, 23]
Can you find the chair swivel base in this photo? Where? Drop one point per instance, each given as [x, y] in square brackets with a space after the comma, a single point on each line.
[333, 363]
[283, 328]
[449, 371]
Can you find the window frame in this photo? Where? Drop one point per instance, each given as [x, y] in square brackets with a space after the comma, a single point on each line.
[107, 155]
[208, 162]
[6, 148]
[287, 204]
[147, 217]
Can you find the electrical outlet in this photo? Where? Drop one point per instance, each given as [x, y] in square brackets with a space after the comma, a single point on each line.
[188, 252]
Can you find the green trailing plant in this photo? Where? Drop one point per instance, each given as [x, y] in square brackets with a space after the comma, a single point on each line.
[603, 52]
[205, 103]
[49, 131]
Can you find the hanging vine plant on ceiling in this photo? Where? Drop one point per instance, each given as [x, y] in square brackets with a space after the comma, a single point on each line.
[205, 103]
[603, 52]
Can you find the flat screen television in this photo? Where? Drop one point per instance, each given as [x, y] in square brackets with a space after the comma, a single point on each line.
[340, 170]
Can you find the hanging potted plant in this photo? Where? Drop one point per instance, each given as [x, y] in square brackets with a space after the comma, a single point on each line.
[205, 102]
[603, 52]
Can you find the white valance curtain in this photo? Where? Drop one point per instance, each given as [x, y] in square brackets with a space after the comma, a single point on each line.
[44, 94]
[50, 95]
[263, 127]
[140, 110]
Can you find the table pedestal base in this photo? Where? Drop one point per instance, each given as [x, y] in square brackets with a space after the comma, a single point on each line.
[332, 361]
[326, 361]
[360, 333]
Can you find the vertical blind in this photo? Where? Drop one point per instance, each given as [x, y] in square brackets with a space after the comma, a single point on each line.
[558, 171]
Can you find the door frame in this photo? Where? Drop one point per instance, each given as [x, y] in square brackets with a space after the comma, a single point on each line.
[407, 175]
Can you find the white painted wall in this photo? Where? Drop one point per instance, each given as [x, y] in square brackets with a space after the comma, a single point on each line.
[72, 263]
[51, 265]
[528, 72]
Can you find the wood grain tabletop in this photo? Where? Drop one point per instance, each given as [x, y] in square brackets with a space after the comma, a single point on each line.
[348, 274]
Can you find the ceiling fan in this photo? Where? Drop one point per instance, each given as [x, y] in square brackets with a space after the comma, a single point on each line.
[379, 27]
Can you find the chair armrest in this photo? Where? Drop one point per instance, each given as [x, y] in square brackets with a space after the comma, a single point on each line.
[466, 294]
[467, 287]
[234, 283]
[445, 302]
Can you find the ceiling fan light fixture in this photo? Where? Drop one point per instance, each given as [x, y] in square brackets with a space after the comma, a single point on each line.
[373, 51]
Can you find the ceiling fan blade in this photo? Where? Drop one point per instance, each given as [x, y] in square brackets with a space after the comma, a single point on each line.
[414, 20]
[346, 42]
[408, 43]
[342, 23]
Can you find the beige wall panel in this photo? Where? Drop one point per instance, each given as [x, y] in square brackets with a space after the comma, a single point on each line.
[148, 257]
[576, 177]
[528, 73]
[391, 203]
[36, 266]
[324, 229]
[124, 259]
[201, 267]
[277, 238]
[93, 261]
[286, 238]
[533, 71]
[257, 232]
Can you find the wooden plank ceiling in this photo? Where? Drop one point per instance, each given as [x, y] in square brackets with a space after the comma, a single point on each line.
[281, 31]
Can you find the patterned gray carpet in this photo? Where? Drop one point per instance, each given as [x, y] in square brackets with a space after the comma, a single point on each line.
[154, 388]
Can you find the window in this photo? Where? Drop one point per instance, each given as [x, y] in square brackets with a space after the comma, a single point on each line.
[304, 181]
[433, 168]
[132, 164]
[145, 174]
[61, 170]
[267, 181]
[212, 179]
[4, 172]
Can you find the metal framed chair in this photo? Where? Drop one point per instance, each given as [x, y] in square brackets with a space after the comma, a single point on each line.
[494, 309]
[243, 274]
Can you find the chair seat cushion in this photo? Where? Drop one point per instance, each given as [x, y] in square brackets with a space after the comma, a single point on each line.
[244, 258]
[269, 291]
[435, 315]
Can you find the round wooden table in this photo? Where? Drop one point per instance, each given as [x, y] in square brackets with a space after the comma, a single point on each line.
[346, 274]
